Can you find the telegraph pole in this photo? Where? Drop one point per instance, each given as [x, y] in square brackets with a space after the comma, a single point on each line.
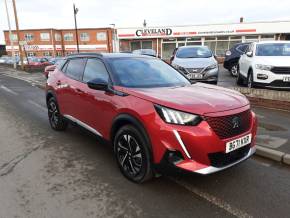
[76, 27]
[10, 33]
[18, 35]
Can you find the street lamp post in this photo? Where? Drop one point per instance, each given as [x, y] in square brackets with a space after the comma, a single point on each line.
[76, 27]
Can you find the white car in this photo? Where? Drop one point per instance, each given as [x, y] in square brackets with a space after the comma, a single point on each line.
[265, 64]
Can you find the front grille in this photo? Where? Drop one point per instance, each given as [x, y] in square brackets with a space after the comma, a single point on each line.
[281, 70]
[279, 83]
[221, 159]
[230, 126]
[194, 70]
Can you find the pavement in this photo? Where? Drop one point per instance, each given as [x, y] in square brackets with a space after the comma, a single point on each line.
[73, 174]
[273, 131]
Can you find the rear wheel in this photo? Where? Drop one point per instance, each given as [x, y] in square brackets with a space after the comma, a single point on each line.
[56, 120]
[132, 154]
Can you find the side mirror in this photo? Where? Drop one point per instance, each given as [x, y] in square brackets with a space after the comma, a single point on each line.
[98, 84]
[249, 54]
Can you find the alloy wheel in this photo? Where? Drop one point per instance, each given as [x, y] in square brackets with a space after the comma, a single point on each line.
[53, 113]
[234, 70]
[129, 154]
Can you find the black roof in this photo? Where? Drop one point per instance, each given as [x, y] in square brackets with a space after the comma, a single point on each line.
[106, 55]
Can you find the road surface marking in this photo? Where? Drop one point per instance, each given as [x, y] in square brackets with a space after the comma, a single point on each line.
[37, 105]
[8, 90]
[213, 200]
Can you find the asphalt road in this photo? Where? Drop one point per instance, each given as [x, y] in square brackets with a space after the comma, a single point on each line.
[73, 174]
[225, 78]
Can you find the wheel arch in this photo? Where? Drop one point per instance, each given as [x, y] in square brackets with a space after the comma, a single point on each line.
[128, 119]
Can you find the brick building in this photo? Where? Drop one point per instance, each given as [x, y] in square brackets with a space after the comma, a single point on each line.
[59, 42]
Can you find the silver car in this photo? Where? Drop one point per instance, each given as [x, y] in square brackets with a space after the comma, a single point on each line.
[197, 62]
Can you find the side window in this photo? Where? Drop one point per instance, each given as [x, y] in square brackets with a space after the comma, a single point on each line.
[242, 48]
[95, 69]
[75, 68]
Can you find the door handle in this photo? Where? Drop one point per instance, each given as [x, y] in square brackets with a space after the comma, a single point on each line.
[79, 90]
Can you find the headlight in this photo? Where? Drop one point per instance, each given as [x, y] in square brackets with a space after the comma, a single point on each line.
[213, 66]
[263, 67]
[177, 67]
[177, 117]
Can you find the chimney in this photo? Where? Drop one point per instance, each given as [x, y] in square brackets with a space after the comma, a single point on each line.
[241, 19]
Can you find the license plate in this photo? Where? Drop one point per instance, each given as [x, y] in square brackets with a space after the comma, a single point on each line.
[194, 76]
[286, 79]
[238, 143]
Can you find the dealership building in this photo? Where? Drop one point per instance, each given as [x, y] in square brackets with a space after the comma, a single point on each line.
[60, 42]
[218, 37]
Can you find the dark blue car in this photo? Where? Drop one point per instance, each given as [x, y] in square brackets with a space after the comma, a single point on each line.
[233, 56]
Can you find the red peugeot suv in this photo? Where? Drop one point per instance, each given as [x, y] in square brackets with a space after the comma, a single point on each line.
[151, 113]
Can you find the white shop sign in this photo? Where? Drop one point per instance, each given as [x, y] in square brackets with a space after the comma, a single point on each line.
[205, 30]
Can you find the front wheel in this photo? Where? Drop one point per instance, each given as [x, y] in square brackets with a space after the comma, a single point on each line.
[234, 70]
[132, 154]
[239, 80]
[250, 80]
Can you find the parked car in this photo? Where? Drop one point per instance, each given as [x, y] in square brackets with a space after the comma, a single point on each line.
[265, 64]
[196, 62]
[151, 114]
[37, 62]
[232, 57]
[3, 59]
[149, 52]
[50, 68]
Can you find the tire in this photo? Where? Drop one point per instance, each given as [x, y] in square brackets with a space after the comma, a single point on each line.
[132, 154]
[234, 70]
[56, 120]
[239, 80]
[250, 80]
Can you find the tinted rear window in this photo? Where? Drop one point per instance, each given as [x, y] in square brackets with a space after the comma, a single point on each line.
[75, 68]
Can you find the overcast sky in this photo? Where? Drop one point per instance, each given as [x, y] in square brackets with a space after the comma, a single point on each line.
[131, 13]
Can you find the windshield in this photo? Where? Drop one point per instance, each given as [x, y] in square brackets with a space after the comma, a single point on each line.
[274, 49]
[194, 52]
[145, 73]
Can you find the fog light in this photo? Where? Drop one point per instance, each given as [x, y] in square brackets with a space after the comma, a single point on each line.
[174, 157]
[262, 76]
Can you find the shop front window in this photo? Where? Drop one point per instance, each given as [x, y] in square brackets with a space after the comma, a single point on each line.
[147, 45]
[221, 48]
[135, 45]
[211, 45]
[167, 50]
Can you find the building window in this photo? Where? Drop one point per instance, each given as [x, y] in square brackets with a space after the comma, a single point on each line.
[252, 38]
[135, 45]
[267, 37]
[59, 54]
[13, 37]
[28, 36]
[84, 37]
[47, 53]
[30, 54]
[101, 36]
[68, 37]
[57, 37]
[44, 36]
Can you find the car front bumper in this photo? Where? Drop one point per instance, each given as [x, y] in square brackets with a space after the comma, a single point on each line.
[193, 145]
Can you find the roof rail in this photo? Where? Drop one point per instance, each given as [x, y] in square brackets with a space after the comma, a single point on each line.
[85, 53]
